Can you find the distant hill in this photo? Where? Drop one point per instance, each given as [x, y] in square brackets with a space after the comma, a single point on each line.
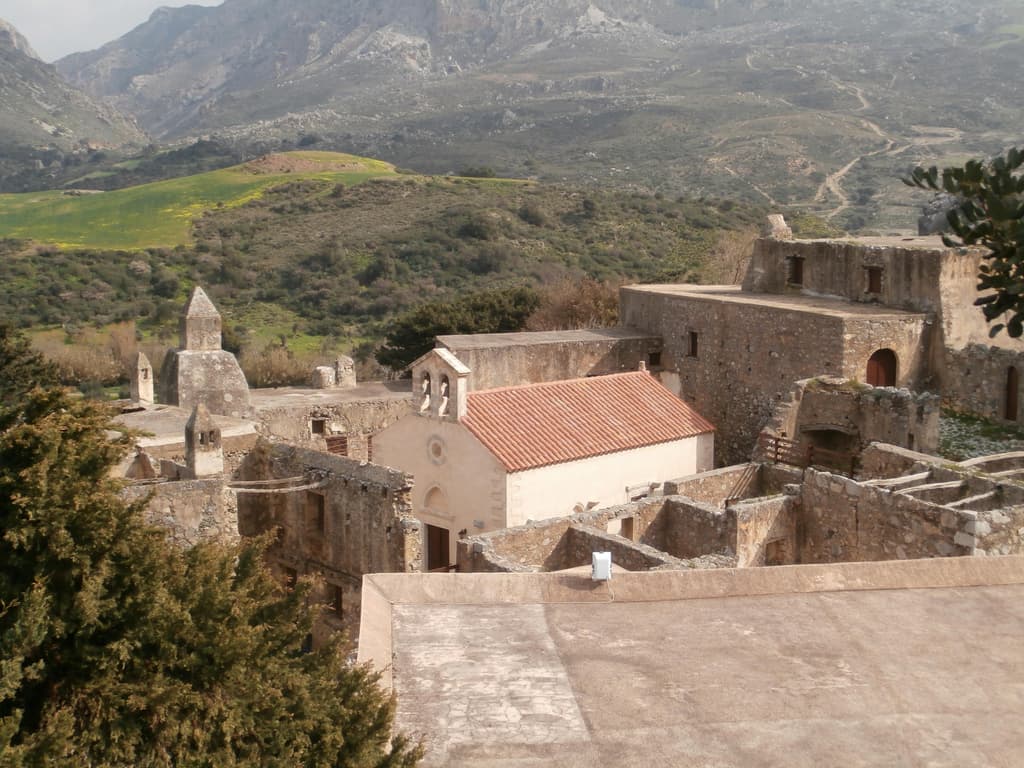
[293, 245]
[822, 103]
[40, 110]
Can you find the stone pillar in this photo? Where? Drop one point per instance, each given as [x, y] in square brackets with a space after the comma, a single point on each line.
[324, 377]
[142, 380]
[345, 372]
[204, 454]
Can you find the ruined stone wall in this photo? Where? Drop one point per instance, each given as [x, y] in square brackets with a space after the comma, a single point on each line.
[191, 510]
[822, 407]
[358, 421]
[538, 358]
[910, 277]
[686, 529]
[544, 544]
[717, 485]
[976, 379]
[1000, 531]
[760, 523]
[367, 524]
[881, 460]
[840, 520]
[583, 541]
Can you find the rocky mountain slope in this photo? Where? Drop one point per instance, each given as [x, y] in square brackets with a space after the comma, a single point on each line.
[822, 103]
[41, 109]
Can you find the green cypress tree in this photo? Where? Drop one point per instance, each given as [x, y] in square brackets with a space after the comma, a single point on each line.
[119, 649]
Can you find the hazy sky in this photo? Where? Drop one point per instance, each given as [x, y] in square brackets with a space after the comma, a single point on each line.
[56, 28]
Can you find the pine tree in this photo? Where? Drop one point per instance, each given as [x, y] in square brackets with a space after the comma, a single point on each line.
[118, 649]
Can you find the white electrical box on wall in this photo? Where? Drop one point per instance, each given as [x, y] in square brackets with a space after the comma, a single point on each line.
[601, 566]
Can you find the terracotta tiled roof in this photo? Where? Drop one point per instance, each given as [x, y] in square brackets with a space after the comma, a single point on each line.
[541, 424]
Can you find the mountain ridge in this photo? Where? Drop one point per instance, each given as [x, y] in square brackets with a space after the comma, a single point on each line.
[767, 99]
[43, 111]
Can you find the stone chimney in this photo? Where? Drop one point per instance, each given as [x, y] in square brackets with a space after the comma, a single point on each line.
[142, 380]
[201, 324]
[204, 455]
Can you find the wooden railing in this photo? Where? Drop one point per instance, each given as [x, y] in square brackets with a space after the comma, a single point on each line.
[783, 451]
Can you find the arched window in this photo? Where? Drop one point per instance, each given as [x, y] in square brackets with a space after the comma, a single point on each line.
[882, 368]
[1012, 390]
[425, 392]
[443, 408]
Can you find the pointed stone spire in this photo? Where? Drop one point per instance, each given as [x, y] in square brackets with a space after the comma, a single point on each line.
[204, 455]
[201, 324]
[142, 380]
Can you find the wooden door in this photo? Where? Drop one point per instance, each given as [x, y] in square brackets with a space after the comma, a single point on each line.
[882, 369]
[437, 548]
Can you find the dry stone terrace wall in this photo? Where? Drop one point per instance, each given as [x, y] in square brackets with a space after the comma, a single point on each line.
[359, 521]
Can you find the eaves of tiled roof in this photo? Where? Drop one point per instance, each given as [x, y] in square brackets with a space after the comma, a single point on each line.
[537, 425]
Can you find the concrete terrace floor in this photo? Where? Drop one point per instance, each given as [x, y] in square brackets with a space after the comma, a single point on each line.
[827, 305]
[864, 664]
[288, 397]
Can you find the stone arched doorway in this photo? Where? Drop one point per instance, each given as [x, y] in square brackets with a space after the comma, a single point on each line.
[882, 367]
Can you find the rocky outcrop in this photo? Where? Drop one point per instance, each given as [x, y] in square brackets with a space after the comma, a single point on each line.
[40, 108]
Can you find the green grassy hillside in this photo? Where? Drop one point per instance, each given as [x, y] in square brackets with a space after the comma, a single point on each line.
[160, 214]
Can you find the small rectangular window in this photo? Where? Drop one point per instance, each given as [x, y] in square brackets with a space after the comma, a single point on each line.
[291, 578]
[337, 601]
[795, 271]
[874, 279]
[319, 426]
[654, 359]
[692, 342]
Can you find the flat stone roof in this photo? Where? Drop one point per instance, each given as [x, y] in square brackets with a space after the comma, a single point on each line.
[821, 305]
[534, 338]
[305, 397]
[913, 242]
[166, 425]
[900, 663]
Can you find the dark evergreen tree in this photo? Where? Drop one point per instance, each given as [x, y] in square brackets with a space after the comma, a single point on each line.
[119, 649]
[413, 334]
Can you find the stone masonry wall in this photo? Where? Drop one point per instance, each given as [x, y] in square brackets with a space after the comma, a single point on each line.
[975, 379]
[760, 522]
[540, 358]
[191, 510]
[840, 520]
[715, 486]
[356, 420]
[910, 277]
[367, 524]
[686, 529]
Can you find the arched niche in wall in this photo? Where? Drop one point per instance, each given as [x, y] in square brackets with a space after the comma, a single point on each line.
[883, 366]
